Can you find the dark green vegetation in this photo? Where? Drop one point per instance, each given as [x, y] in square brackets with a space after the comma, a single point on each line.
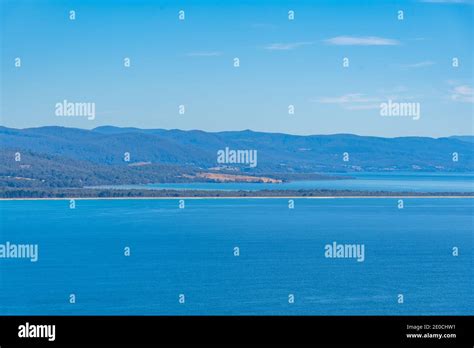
[133, 193]
[58, 157]
[40, 170]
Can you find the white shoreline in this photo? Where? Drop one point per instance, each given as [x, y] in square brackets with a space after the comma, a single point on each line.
[211, 197]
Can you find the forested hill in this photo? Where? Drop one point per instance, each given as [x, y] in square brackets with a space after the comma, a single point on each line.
[276, 152]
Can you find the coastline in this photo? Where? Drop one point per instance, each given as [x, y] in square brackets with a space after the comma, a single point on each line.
[230, 197]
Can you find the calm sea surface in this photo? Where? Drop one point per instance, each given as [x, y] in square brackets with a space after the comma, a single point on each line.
[190, 251]
[406, 182]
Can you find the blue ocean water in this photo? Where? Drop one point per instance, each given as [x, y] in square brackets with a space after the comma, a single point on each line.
[190, 251]
[394, 182]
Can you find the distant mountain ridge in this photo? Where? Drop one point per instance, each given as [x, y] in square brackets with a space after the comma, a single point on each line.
[277, 152]
[468, 138]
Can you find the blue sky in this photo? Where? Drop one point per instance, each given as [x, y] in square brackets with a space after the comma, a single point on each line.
[282, 62]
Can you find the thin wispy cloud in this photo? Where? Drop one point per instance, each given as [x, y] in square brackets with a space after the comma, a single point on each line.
[346, 98]
[363, 107]
[352, 101]
[418, 65]
[361, 101]
[361, 41]
[463, 93]
[286, 46]
[204, 54]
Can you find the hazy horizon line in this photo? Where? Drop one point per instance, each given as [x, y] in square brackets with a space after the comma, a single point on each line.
[240, 130]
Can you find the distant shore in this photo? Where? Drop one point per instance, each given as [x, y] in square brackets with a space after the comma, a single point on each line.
[210, 197]
[87, 193]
